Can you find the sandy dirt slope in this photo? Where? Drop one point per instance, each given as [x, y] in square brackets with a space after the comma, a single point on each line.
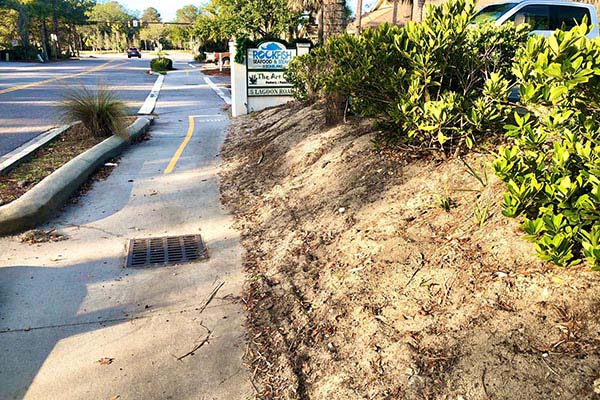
[361, 286]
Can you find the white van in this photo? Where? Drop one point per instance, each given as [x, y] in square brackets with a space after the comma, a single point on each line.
[544, 16]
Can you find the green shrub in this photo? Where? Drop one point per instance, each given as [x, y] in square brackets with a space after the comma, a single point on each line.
[200, 57]
[161, 64]
[99, 110]
[438, 83]
[552, 167]
[23, 53]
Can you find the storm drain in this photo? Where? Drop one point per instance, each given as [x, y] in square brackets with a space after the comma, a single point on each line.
[163, 251]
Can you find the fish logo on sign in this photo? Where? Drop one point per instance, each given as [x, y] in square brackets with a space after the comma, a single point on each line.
[270, 55]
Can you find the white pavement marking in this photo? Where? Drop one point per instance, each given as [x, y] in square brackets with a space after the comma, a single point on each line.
[214, 87]
[150, 102]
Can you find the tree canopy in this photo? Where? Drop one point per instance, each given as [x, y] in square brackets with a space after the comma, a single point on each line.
[57, 28]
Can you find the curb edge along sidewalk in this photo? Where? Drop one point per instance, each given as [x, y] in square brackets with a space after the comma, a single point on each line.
[39, 204]
[213, 86]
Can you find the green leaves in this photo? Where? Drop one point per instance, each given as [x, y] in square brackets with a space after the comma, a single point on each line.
[552, 168]
[442, 83]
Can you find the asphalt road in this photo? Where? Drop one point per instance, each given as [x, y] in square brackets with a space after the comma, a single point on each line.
[29, 93]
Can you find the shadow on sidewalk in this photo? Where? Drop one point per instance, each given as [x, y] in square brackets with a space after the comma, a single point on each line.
[40, 306]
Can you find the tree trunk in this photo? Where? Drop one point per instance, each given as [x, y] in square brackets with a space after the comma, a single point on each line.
[45, 39]
[55, 43]
[335, 23]
[321, 23]
[335, 17]
[23, 26]
[358, 16]
[334, 108]
[395, 12]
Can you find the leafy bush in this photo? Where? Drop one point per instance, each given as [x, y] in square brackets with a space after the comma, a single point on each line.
[435, 84]
[161, 64]
[200, 57]
[24, 53]
[99, 110]
[552, 167]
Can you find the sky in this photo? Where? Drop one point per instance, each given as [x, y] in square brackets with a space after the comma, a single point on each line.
[167, 8]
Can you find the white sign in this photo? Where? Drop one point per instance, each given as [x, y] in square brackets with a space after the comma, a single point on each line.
[270, 55]
[276, 91]
[267, 78]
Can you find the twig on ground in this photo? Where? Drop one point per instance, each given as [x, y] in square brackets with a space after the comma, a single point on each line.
[252, 380]
[416, 271]
[211, 296]
[199, 345]
[551, 370]
[487, 396]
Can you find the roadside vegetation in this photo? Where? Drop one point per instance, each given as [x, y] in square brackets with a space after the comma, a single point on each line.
[45, 161]
[95, 114]
[99, 110]
[443, 85]
[374, 210]
[63, 28]
[161, 64]
[552, 164]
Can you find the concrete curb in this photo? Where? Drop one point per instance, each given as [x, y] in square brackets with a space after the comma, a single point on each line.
[217, 90]
[39, 204]
[11, 160]
[150, 103]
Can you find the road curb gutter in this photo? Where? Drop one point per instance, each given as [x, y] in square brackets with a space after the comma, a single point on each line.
[40, 203]
[11, 160]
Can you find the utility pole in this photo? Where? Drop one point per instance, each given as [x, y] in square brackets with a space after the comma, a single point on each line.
[358, 16]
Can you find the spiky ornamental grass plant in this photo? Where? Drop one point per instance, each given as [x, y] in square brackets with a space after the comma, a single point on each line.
[99, 110]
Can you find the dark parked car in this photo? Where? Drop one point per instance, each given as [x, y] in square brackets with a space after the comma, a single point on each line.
[133, 52]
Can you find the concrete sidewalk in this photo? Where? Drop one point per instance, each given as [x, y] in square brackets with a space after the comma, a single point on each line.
[66, 306]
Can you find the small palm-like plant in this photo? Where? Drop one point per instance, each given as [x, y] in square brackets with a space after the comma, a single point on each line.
[99, 110]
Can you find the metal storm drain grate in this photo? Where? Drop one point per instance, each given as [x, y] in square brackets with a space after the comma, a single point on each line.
[163, 251]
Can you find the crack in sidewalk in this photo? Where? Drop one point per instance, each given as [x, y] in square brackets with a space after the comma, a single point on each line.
[200, 308]
[65, 224]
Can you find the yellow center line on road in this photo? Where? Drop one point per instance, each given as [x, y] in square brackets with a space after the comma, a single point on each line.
[60, 78]
[182, 147]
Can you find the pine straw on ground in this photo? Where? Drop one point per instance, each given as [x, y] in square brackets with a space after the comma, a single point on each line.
[48, 159]
[360, 286]
[44, 161]
[212, 70]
